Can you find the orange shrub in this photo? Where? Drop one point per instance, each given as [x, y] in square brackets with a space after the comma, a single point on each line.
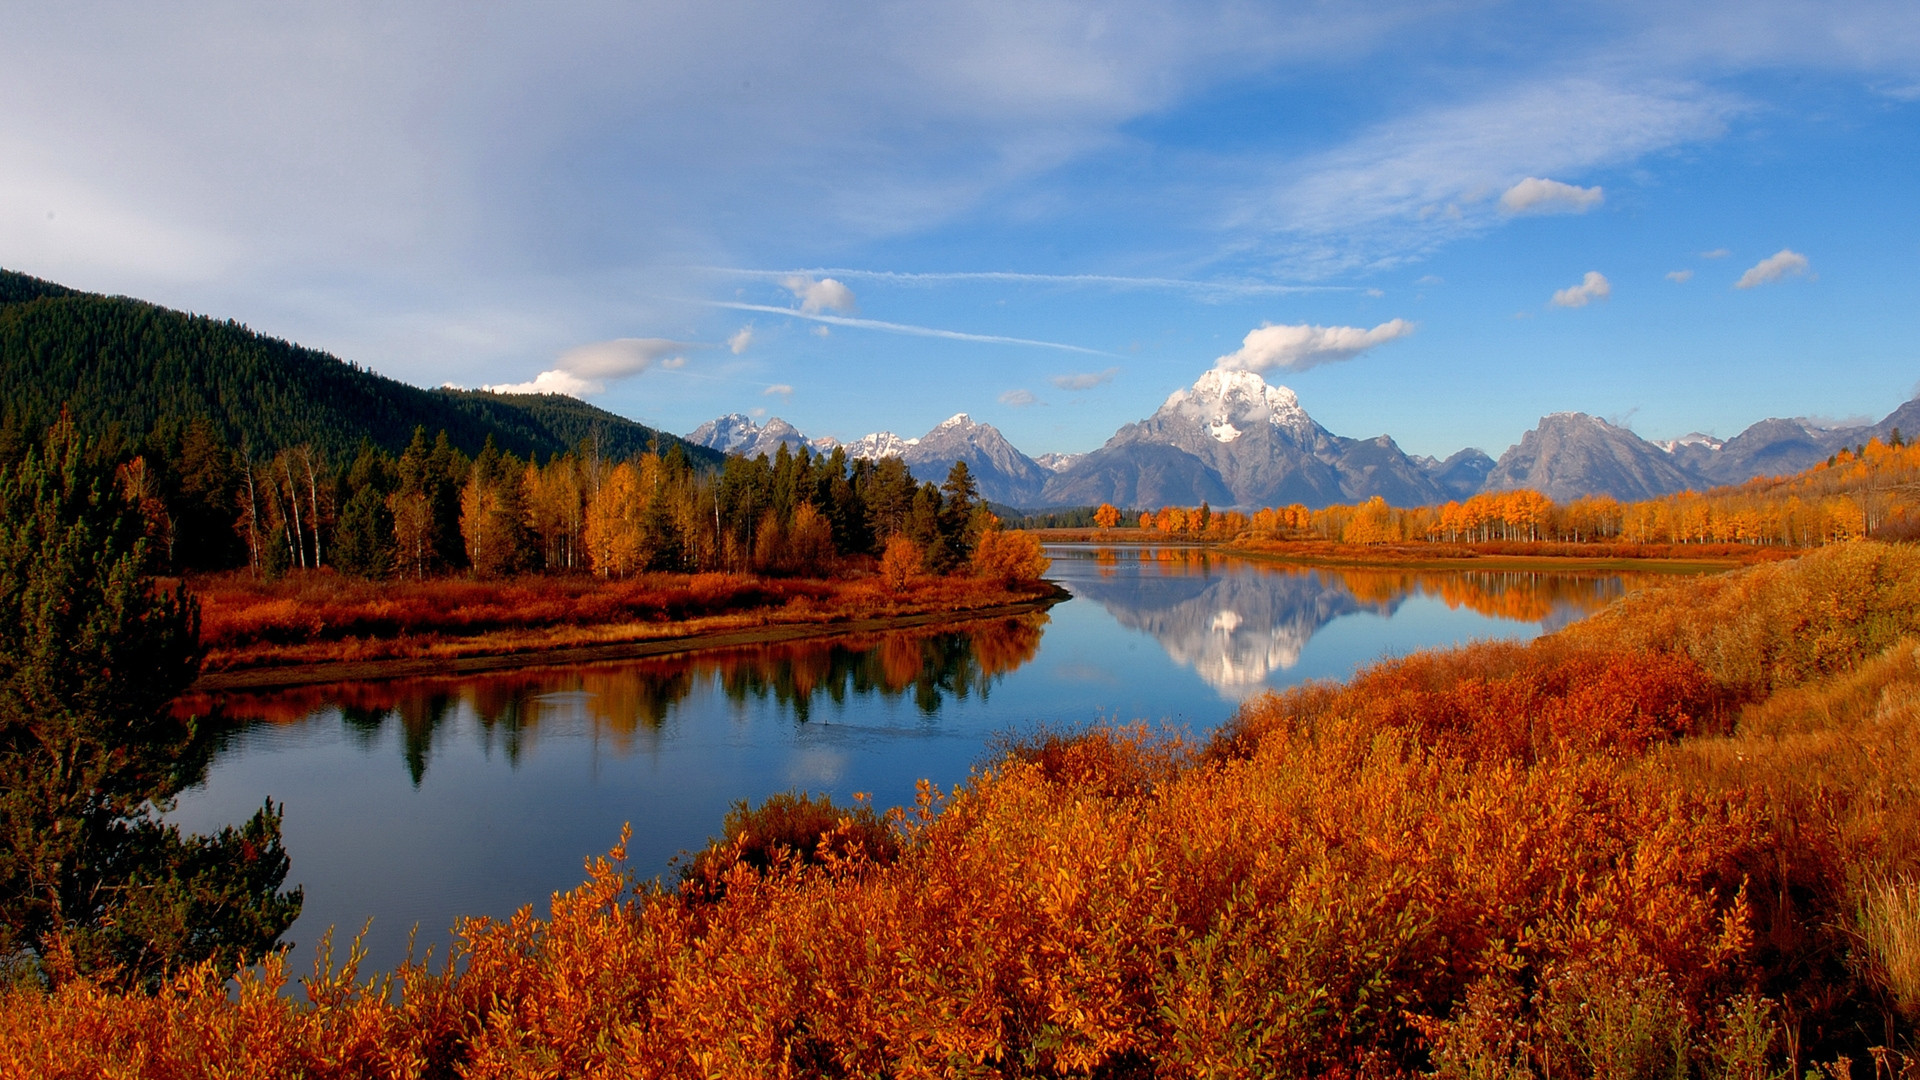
[900, 563]
[1011, 558]
[1497, 860]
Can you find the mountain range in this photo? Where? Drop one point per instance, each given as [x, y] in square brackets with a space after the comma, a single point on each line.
[116, 364]
[1233, 440]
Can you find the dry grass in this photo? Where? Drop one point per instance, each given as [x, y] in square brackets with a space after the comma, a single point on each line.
[323, 617]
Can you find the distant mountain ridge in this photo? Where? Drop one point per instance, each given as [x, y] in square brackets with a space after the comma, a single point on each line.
[118, 363]
[1001, 473]
[1231, 439]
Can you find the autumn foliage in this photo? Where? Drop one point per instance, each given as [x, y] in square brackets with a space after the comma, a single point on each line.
[1867, 490]
[319, 617]
[1681, 839]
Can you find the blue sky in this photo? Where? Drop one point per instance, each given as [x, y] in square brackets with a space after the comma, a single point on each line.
[1048, 215]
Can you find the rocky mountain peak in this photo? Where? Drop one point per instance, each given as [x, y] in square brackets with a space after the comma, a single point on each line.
[1226, 403]
[1572, 454]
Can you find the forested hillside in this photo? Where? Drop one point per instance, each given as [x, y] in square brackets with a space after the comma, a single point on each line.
[118, 363]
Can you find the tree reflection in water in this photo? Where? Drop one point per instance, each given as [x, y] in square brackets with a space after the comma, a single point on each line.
[629, 702]
[1233, 622]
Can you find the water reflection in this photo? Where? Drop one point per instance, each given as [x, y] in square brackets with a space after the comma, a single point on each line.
[628, 703]
[417, 801]
[1236, 622]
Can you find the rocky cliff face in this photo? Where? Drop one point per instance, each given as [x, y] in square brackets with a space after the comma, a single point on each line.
[736, 433]
[1573, 454]
[1003, 474]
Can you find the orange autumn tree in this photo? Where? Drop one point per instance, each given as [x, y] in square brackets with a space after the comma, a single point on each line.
[1009, 557]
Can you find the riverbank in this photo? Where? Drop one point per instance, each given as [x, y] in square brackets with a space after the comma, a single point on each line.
[320, 628]
[1420, 555]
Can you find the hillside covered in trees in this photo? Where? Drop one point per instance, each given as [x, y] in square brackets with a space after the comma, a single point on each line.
[127, 367]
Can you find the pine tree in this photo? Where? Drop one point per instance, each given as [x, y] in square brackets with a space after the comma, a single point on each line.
[91, 657]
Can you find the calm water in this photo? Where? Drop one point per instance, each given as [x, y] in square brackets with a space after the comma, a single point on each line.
[419, 801]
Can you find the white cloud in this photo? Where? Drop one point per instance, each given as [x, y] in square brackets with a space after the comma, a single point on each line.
[740, 340]
[1084, 380]
[1681, 276]
[584, 369]
[550, 382]
[778, 389]
[673, 363]
[1594, 286]
[822, 331]
[1297, 348]
[616, 359]
[1716, 253]
[1537, 196]
[826, 294]
[1783, 263]
[1019, 399]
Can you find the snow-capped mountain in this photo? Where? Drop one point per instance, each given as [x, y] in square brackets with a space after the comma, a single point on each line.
[880, 444]
[726, 434]
[1234, 440]
[1002, 473]
[1690, 439]
[1231, 439]
[736, 433]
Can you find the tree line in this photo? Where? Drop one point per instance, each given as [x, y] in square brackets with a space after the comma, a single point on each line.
[433, 510]
[1869, 490]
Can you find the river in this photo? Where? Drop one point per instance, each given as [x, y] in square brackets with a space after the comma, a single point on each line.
[417, 801]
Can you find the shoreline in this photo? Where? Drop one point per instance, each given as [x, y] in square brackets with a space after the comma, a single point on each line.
[1422, 556]
[1497, 563]
[287, 676]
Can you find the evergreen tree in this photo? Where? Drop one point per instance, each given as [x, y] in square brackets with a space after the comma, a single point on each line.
[91, 657]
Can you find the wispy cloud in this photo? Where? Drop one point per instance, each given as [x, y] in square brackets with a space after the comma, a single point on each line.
[1537, 196]
[1084, 380]
[902, 328]
[1680, 276]
[1594, 286]
[1430, 176]
[1297, 348]
[1783, 263]
[784, 390]
[1012, 277]
[741, 340]
[1716, 253]
[1019, 399]
[584, 370]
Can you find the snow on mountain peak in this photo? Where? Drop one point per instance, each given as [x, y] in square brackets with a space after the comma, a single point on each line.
[1226, 403]
[956, 420]
[880, 444]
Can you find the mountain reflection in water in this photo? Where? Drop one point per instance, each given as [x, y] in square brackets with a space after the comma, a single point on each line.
[628, 703]
[1235, 622]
